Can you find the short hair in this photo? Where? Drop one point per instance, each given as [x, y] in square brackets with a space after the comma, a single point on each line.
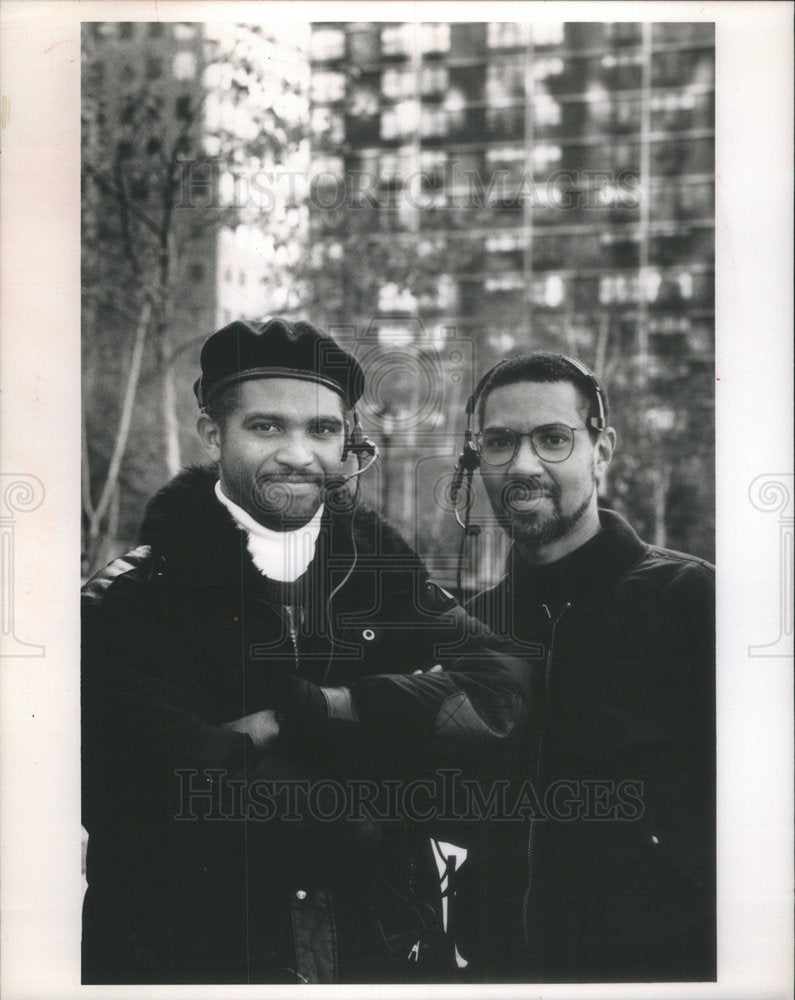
[542, 366]
[223, 403]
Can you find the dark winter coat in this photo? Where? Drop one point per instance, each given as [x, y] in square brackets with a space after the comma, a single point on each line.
[610, 873]
[199, 870]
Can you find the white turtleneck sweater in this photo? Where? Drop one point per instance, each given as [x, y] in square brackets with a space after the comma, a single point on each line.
[279, 555]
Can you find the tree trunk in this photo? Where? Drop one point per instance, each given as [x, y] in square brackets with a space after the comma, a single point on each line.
[96, 515]
[661, 480]
[170, 421]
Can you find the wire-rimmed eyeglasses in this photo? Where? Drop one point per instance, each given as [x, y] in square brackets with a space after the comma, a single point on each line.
[551, 442]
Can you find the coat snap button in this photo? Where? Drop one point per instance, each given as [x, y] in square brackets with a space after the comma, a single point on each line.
[300, 894]
[368, 635]
[654, 840]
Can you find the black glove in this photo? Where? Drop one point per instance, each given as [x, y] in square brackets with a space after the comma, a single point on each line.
[300, 705]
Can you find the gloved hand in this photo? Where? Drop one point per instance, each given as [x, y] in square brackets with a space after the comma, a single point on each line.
[301, 705]
[262, 727]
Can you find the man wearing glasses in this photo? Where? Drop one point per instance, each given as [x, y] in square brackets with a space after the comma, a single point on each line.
[600, 865]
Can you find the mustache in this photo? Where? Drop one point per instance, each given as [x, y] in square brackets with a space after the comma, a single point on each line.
[291, 477]
[528, 488]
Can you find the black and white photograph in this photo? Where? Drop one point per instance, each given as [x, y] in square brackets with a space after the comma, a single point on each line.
[399, 458]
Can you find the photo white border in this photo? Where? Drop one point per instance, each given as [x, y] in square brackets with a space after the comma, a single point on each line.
[40, 889]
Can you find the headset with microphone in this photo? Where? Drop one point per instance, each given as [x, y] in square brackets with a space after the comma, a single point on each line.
[366, 452]
[469, 459]
[356, 443]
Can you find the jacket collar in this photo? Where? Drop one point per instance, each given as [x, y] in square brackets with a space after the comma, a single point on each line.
[189, 529]
[601, 560]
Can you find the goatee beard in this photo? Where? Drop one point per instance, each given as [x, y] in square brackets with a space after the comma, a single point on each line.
[534, 534]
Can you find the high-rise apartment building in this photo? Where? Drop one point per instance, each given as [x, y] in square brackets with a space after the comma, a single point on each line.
[565, 170]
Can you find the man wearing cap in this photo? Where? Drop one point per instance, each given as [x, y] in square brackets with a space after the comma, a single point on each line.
[267, 642]
[602, 868]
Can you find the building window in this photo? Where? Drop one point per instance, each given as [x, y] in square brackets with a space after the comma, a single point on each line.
[548, 33]
[550, 291]
[328, 87]
[466, 172]
[394, 168]
[697, 199]
[544, 68]
[397, 83]
[507, 34]
[434, 37]
[626, 114]
[443, 295]
[184, 32]
[156, 29]
[196, 272]
[397, 40]
[327, 43]
[684, 33]
[504, 243]
[432, 165]
[505, 123]
[154, 67]
[467, 40]
[328, 124]
[127, 74]
[327, 169]
[126, 30]
[393, 298]
[362, 101]
[401, 121]
[622, 71]
[623, 33]
[504, 283]
[433, 122]
[363, 45]
[505, 82]
[544, 155]
[183, 108]
[433, 79]
[546, 110]
[184, 66]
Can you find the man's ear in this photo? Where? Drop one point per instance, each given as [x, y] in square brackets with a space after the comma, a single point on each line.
[605, 446]
[210, 433]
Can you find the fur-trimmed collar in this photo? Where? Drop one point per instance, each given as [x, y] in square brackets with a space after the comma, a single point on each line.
[187, 527]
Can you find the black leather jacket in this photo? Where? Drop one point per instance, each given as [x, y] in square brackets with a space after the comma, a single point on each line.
[212, 861]
[609, 873]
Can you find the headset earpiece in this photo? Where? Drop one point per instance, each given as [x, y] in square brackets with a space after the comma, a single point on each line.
[361, 446]
[599, 422]
[357, 443]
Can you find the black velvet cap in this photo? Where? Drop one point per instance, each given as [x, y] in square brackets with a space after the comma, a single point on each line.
[277, 349]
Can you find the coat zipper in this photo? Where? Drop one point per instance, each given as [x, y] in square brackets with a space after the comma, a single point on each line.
[530, 834]
[290, 612]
